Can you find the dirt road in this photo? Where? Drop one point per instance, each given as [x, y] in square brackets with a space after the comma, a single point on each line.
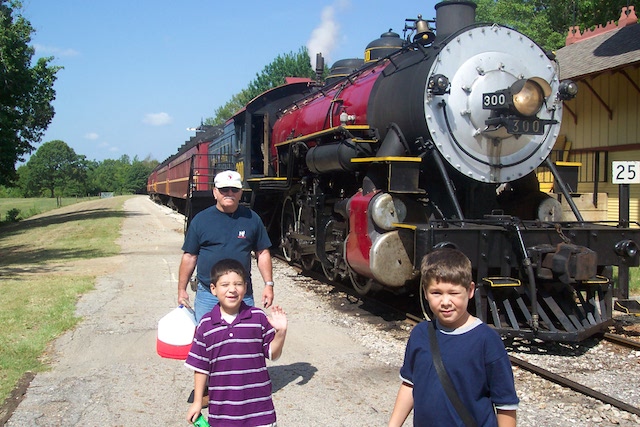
[106, 372]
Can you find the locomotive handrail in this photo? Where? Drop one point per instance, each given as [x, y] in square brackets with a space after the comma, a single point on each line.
[386, 159]
[346, 130]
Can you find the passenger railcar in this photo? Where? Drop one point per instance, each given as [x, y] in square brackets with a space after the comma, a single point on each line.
[433, 140]
[184, 180]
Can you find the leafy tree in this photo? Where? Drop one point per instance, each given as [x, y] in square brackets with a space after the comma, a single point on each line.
[547, 22]
[56, 166]
[121, 176]
[137, 174]
[26, 91]
[273, 75]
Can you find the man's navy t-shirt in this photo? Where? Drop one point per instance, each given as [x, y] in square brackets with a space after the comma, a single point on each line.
[214, 235]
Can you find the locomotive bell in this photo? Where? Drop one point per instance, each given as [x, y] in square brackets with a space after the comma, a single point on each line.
[424, 33]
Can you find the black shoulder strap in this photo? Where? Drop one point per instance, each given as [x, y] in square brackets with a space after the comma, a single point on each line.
[446, 381]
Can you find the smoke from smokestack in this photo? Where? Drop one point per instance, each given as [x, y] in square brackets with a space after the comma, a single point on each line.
[325, 36]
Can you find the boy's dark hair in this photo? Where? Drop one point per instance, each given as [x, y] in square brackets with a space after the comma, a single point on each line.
[225, 266]
[446, 265]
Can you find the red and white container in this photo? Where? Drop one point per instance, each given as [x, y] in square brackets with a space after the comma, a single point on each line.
[175, 333]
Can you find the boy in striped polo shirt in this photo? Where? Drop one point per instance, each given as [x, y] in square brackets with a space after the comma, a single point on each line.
[229, 350]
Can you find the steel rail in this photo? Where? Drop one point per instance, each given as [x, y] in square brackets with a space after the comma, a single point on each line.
[566, 382]
[618, 339]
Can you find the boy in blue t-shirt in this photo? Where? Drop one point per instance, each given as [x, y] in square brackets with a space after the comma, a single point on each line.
[473, 355]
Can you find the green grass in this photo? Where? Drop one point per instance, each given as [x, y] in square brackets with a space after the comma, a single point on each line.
[634, 280]
[39, 288]
[33, 206]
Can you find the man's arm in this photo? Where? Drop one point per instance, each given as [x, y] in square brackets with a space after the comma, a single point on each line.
[265, 267]
[187, 266]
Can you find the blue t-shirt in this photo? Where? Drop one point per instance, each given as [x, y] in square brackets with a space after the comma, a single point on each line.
[478, 365]
[214, 235]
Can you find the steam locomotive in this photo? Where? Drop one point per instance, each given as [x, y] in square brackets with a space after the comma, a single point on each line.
[431, 141]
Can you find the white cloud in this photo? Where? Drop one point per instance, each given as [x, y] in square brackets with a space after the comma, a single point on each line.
[157, 119]
[91, 135]
[43, 50]
[324, 37]
[108, 147]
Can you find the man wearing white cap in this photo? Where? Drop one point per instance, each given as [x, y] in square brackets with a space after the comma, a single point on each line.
[225, 230]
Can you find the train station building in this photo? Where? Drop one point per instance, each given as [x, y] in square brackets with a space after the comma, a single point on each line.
[602, 124]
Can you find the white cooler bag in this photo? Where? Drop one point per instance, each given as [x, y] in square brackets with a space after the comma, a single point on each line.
[175, 333]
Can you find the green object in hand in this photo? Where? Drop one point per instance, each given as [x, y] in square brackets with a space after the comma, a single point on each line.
[201, 421]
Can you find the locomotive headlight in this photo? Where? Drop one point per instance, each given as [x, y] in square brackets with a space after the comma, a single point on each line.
[568, 89]
[527, 97]
[438, 84]
[626, 248]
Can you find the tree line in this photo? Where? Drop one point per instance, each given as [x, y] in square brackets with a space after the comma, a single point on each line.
[55, 170]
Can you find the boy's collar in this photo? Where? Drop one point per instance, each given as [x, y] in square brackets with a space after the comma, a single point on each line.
[243, 313]
[458, 331]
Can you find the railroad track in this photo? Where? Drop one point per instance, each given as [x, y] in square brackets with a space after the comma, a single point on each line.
[566, 382]
[619, 339]
[376, 306]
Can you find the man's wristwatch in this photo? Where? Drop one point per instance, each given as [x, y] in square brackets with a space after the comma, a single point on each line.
[269, 283]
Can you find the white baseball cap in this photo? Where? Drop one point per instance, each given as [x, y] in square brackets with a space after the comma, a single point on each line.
[228, 179]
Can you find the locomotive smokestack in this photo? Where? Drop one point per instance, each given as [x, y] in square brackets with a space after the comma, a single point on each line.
[319, 66]
[452, 16]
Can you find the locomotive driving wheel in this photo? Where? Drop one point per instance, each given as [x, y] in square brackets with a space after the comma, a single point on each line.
[305, 226]
[288, 228]
[308, 262]
[293, 226]
[361, 284]
[329, 272]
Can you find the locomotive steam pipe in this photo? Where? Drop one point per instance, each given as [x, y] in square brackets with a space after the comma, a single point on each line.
[447, 181]
[526, 262]
[563, 189]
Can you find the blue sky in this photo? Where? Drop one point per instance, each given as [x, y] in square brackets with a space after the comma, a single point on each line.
[138, 73]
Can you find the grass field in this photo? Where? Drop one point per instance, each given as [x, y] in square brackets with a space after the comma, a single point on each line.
[39, 286]
[34, 206]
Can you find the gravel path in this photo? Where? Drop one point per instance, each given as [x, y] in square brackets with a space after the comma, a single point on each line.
[107, 373]
[337, 369]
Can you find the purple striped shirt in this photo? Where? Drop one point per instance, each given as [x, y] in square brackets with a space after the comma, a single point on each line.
[233, 355]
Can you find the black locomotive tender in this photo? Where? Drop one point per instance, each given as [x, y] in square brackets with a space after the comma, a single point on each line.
[431, 141]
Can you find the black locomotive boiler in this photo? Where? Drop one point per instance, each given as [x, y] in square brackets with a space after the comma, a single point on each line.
[433, 141]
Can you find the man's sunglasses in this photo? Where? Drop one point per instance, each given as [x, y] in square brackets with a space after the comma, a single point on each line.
[229, 189]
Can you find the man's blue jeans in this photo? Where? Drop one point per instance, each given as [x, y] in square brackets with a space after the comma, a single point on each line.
[205, 301]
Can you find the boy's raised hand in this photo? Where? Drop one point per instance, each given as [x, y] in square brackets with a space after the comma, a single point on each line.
[278, 318]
